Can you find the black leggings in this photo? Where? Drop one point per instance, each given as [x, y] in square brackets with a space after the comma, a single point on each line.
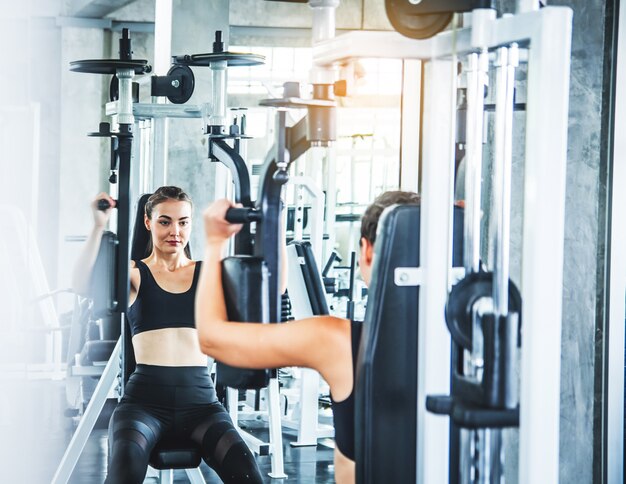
[164, 403]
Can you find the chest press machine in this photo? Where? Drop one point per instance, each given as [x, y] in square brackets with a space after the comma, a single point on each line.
[402, 435]
[178, 87]
[251, 277]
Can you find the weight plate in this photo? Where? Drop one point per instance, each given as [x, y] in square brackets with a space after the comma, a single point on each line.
[187, 85]
[463, 297]
[233, 59]
[401, 14]
[109, 66]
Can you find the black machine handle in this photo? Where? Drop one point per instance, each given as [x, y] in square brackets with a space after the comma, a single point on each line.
[104, 204]
[243, 215]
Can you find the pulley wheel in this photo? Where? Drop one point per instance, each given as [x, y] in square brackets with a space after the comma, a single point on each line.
[461, 300]
[188, 83]
[233, 59]
[404, 17]
[109, 66]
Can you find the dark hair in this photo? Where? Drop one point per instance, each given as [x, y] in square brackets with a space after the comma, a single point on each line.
[369, 221]
[163, 194]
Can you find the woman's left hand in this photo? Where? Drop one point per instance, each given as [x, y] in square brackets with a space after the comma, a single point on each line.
[216, 227]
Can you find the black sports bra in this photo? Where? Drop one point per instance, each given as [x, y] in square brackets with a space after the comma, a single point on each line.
[156, 308]
[343, 412]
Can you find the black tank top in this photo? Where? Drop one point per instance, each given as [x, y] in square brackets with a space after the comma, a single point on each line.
[156, 308]
[343, 412]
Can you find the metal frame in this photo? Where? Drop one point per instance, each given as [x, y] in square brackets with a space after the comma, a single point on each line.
[307, 424]
[275, 446]
[79, 439]
[547, 32]
[617, 283]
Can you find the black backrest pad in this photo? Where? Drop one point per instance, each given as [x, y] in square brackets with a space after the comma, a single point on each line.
[244, 279]
[103, 276]
[386, 380]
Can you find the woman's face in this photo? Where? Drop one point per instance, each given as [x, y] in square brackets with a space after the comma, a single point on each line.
[170, 226]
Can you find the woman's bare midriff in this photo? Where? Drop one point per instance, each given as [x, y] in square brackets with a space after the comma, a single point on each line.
[169, 347]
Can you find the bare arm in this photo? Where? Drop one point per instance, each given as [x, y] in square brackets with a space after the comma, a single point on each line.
[87, 258]
[321, 342]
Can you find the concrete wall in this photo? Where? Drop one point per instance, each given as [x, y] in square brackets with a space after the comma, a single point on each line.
[583, 308]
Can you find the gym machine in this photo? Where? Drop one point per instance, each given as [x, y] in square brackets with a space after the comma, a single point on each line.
[483, 311]
[178, 87]
[123, 69]
[487, 328]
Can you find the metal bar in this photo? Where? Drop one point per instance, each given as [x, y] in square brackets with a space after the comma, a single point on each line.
[227, 155]
[218, 93]
[88, 420]
[166, 476]
[476, 80]
[316, 215]
[494, 32]
[148, 110]
[410, 125]
[617, 283]
[543, 235]
[162, 36]
[435, 257]
[276, 436]
[195, 476]
[503, 148]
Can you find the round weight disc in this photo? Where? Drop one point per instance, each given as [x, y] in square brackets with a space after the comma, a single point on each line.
[188, 83]
[109, 66]
[413, 25]
[233, 59]
[463, 297]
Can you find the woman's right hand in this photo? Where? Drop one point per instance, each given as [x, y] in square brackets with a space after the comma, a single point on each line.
[101, 217]
[217, 228]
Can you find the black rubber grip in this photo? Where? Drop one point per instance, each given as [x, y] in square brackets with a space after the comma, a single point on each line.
[242, 215]
[104, 204]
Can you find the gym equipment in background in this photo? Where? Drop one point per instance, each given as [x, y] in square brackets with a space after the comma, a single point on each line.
[543, 38]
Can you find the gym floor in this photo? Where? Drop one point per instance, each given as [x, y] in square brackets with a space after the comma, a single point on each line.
[46, 432]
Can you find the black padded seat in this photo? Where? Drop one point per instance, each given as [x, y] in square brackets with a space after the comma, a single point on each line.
[175, 454]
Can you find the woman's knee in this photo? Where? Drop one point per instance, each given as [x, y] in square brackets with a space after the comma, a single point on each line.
[128, 462]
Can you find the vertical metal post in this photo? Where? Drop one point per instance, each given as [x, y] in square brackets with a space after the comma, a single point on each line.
[543, 234]
[617, 282]
[435, 258]
[88, 420]
[218, 93]
[160, 125]
[478, 65]
[507, 61]
[410, 125]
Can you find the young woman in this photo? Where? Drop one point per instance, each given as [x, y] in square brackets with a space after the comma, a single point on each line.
[326, 343]
[170, 394]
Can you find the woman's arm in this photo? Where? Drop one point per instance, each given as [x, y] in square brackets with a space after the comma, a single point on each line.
[87, 258]
[321, 342]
